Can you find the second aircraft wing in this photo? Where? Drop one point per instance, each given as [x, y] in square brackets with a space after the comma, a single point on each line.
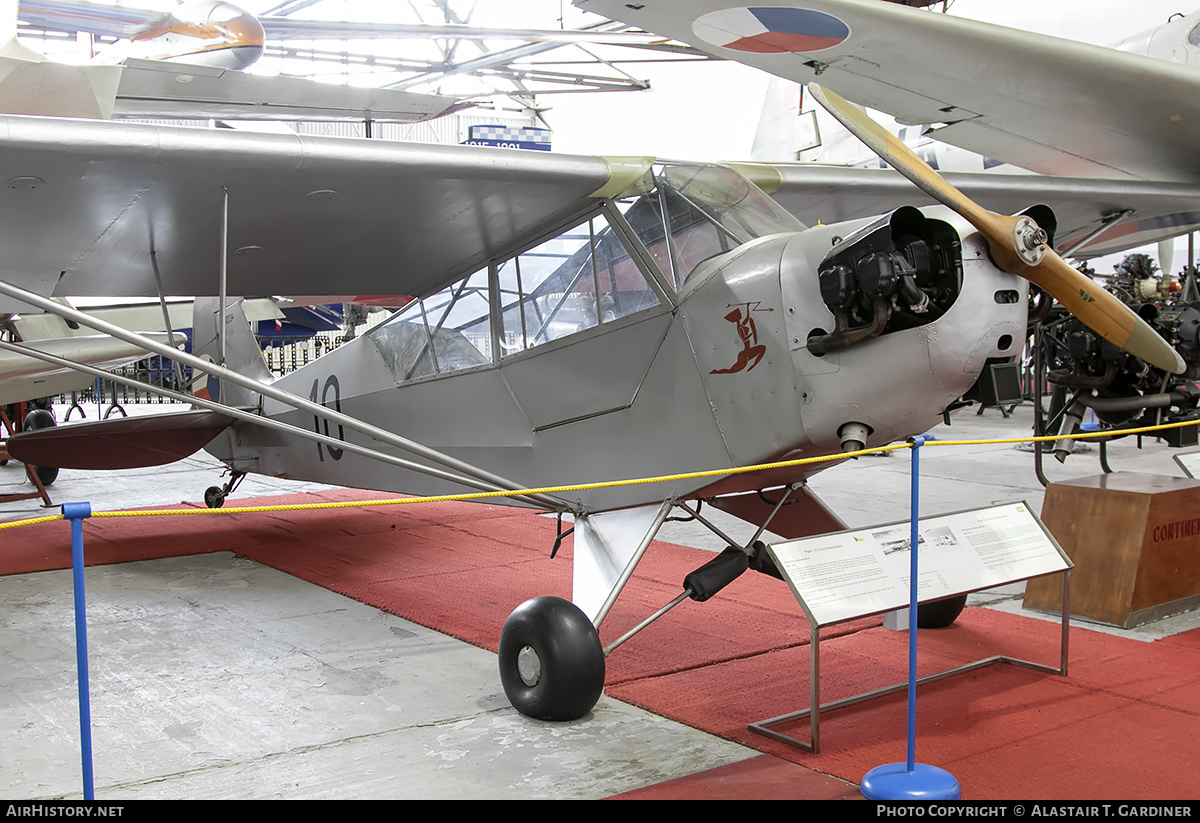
[1049, 105]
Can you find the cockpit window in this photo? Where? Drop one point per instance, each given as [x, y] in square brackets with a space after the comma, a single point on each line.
[696, 212]
[578, 280]
[730, 200]
[583, 277]
[446, 332]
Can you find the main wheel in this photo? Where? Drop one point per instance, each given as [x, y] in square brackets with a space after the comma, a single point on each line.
[42, 419]
[551, 660]
[940, 613]
[214, 497]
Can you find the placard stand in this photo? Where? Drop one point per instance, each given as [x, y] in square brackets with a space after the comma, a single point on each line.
[851, 575]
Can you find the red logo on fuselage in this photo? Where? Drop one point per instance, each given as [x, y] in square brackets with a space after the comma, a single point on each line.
[752, 351]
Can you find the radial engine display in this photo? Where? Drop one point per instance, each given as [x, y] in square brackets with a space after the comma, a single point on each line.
[1091, 378]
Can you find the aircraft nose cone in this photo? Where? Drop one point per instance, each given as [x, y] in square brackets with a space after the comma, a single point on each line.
[242, 32]
[245, 56]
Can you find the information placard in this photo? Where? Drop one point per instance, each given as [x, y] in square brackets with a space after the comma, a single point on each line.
[850, 574]
[1189, 462]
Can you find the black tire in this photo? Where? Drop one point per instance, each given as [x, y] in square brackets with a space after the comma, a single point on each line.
[551, 660]
[214, 497]
[41, 419]
[940, 613]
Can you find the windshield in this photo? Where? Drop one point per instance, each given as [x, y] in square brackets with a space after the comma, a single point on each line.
[696, 212]
[729, 199]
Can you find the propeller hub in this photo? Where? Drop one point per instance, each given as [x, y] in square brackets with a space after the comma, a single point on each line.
[1029, 241]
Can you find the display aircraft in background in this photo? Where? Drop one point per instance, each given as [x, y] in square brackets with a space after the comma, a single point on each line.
[791, 134]
[223, 35]
[24, 378]
[1045, 104]
[189, 69]
[580, 319]
[186, 63]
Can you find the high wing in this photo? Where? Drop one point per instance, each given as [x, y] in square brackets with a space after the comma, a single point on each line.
[1049, 105]
[96, 207]
[108, 208]
[1127, 213]
[157, 89]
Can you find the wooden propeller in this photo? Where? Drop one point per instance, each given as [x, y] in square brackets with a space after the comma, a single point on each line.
[1017, 244]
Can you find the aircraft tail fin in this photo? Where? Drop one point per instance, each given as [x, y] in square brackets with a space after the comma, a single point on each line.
[241, 351]
[784, 129]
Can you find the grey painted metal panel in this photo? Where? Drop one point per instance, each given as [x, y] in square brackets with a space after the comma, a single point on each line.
[828, 194]
[472, 416]
[401, 219]
[474, 408]
[736, 326]
[1042, 103]
[589, 375]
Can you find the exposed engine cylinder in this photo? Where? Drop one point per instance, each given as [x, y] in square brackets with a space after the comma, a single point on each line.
[1117, 387]
[898, 272]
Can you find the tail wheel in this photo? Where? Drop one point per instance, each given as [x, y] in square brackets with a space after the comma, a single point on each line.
[551, 660]
[42, 419]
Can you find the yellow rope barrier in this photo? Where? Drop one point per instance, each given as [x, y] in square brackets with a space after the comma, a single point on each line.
[14, 523]
[444, 498]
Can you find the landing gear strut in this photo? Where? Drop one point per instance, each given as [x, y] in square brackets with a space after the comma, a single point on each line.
[551, 661]
[214, 496]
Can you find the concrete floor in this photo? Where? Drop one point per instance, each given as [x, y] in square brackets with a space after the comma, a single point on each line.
[215, 677]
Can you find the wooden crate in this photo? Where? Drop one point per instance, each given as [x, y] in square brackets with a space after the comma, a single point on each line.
[1135, 542]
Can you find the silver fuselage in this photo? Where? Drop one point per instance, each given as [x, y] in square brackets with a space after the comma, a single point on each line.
[656, 393]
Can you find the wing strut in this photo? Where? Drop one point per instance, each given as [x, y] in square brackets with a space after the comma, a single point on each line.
[223, 273]
[255, 419]
[489, 481]
[1107, 223]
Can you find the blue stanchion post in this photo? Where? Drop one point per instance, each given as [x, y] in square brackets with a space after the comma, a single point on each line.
[76, 513]
[911, 780]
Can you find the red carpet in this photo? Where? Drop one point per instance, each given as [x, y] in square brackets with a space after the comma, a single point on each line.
[1122, 725]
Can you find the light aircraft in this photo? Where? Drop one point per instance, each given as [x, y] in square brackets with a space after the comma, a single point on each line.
[189, 69]
[1172, 41]
[580, 319]
[1044, 104]
[207, 33]
[1048, 105]
[220, 37]
[23, 378]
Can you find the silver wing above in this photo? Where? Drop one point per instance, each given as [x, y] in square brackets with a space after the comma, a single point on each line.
[101, 207]
[1129, 213]
[98, 206]
[1049, 105]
